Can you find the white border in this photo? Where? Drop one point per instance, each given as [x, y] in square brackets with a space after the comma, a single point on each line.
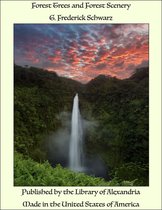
[21, 12]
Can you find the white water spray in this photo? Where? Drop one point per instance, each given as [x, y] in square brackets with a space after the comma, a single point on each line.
[76, 140]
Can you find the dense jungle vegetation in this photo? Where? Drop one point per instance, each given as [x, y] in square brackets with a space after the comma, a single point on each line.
[120, 137]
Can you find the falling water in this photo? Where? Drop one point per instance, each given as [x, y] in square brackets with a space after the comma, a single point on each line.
[76, 140]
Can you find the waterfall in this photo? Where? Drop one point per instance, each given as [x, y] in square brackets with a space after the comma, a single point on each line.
[76, 140]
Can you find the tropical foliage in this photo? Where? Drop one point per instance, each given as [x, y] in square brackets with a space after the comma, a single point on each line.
[120, 109]
[30, 173]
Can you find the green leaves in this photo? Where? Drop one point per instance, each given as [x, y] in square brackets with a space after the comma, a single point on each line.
[120, 136]
[136, 172]
[30, 173]
[39, 96]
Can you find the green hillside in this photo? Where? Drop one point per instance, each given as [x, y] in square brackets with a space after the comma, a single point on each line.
[120, 138]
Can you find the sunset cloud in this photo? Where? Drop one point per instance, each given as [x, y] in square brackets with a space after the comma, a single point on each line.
[83, 51]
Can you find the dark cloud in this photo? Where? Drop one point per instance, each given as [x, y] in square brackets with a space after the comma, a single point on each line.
[78, 50]
[130, 67]
[119, 64]
[143, 64]
[101, 66]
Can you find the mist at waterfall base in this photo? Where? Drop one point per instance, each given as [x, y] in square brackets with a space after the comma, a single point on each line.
[67, 145]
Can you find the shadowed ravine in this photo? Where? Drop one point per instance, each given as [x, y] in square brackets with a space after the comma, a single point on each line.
[108, 137]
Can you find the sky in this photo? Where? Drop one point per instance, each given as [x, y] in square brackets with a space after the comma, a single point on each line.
[83, 51]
